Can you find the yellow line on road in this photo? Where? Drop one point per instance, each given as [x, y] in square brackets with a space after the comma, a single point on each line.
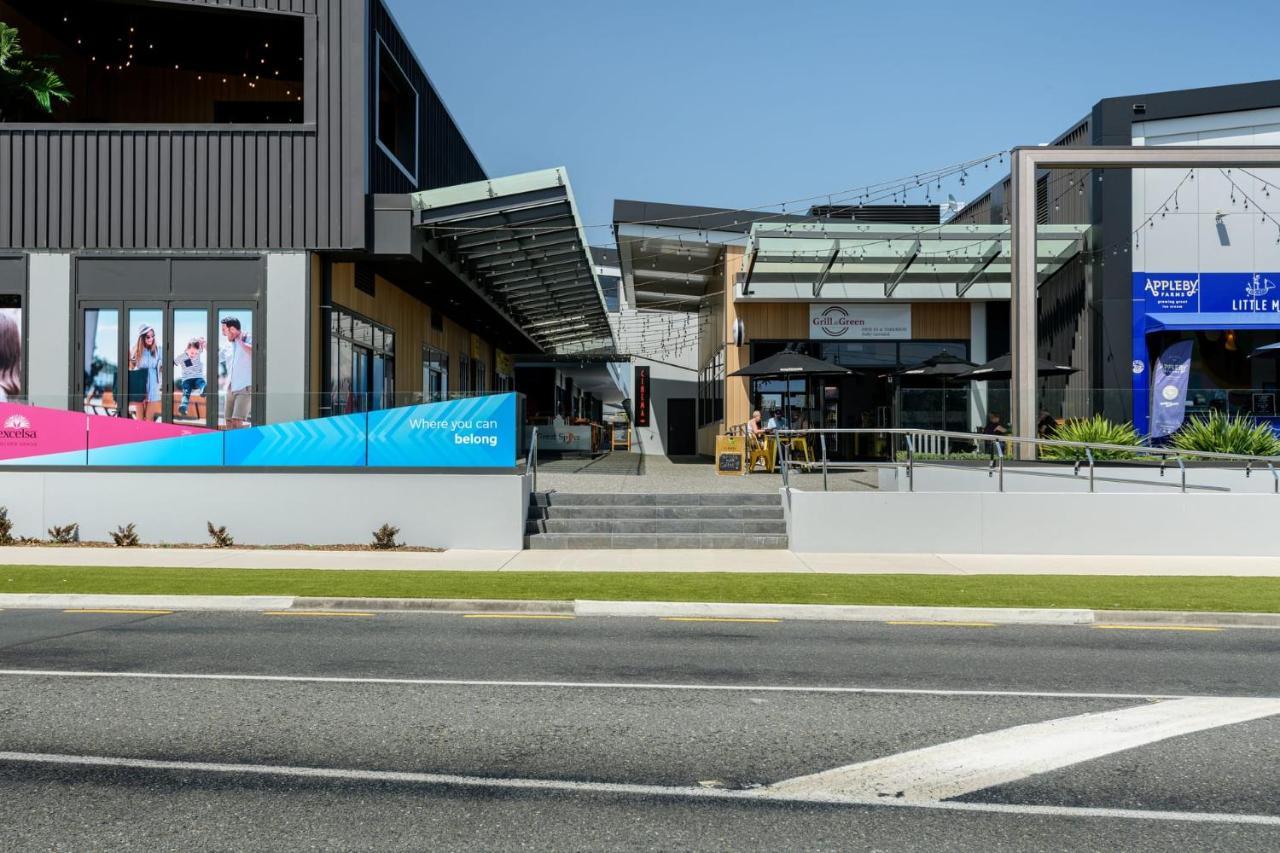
[338, 613]
[1155, 628]
[924, 624]
[716, 619]
[515, 616]
[116, 610]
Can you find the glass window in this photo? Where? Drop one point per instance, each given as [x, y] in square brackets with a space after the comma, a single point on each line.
[914, 352]
[190, 367]
[397, 114]
[145, 356]
[861, 353]
[362, 364]
[101, 361]
[236, 389]
[435, 375]
[10, 347]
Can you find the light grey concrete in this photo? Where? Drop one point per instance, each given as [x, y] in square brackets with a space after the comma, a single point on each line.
[1027, 523]
[59, 601]
[288, 280]
[979, 477]
[48, 324]
[279, 508]
[838, 612]
[663, 476]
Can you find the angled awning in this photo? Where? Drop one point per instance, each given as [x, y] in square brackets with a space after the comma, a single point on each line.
[519, 239]
[1212, 320]
[866, 261]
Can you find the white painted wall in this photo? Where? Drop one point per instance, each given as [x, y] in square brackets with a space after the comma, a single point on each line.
[436, 510]
[665, 341]
[288, 282]
[1187, 236]
[985, 523]
[1054, 478]
[48, 310]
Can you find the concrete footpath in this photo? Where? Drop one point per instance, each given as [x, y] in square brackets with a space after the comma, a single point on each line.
[643, 561]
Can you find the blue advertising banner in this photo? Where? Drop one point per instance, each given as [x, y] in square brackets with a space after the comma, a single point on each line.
[478, 432]
[1169, 381]
[333, 442]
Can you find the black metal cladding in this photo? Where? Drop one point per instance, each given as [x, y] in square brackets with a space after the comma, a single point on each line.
[444, 157]
[91, 186]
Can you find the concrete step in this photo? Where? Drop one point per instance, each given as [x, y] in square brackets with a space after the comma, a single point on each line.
[657, 526]
[541, 541]
[677, 499]
[640, 512]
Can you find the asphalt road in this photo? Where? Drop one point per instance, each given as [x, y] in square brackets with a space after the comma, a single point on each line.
[439, 731]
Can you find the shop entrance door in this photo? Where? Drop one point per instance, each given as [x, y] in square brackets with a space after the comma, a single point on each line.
[860, 400]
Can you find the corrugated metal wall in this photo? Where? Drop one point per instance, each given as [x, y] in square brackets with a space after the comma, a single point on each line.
[444, 157]
[153, 187]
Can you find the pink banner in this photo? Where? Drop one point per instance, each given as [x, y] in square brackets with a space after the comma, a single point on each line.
[36, 431]
[108, 432]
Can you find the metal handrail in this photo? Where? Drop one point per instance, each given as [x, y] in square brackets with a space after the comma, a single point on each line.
[531, 462]
[1164, 454]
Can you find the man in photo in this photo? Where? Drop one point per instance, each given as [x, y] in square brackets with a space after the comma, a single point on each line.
[238, 361]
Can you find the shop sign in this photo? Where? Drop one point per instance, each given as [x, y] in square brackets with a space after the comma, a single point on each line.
[1218, 293]
[502, 363]
[477, 347]
[859, 321]
[640, 396]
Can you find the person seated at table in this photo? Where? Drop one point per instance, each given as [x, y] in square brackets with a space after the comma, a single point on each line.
[994, 426]
[777, 421]
[753, 423]
[1047, 425]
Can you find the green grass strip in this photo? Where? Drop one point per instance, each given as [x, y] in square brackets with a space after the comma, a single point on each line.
[1082, 591]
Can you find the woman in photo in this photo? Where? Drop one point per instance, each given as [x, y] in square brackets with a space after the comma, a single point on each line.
[144, 375]
[10, 358]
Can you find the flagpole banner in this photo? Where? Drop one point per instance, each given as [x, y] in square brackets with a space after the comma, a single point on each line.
[1169, 389]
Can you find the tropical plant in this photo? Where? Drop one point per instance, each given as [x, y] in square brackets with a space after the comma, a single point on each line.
[125, 537]
[221, 538]
[23, 80]
[6, 527]
[1094, 430]
[384, 538]
[1222, 433]
[65, 534]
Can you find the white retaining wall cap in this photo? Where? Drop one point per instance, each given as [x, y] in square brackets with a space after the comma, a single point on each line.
[843, 612]
[150, 602]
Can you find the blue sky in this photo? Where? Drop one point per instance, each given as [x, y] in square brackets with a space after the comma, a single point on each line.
[747, 103]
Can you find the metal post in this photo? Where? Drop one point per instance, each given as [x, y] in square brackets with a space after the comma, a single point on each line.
[911, 463]
[1274, 476]
[999, 466]
[822, 439]
[1022, 313]
[1182, 468]
[1089, 455]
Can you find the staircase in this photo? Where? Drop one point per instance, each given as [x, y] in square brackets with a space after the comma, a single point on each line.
[563, 520]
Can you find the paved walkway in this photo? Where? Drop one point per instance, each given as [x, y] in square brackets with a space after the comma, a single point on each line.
[643, 561]
[689, 474]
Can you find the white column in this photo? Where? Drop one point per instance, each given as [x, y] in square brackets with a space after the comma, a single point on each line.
[978, 355]
[288, 319]
[49, 333]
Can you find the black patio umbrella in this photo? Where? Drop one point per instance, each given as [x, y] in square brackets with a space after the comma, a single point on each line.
[788, 364]
[944, 366]
[1268, 351]
[1002, 368]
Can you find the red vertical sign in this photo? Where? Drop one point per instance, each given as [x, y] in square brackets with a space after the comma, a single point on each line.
[641, 395]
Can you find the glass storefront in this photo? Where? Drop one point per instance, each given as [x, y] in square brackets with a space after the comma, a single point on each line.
[361, 363]
[1223, 377]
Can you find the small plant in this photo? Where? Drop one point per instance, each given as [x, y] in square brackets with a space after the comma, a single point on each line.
[385, 537]
[125, 537]
[65, 534]
[1221, 433]
[221, 538]
[6, 527]
[1094, 430]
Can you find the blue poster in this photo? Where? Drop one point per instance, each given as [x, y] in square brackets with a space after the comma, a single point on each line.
[332, 442]
[1169, 387]
[477, 432]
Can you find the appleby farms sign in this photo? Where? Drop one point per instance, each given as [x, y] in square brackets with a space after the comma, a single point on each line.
[857, 321]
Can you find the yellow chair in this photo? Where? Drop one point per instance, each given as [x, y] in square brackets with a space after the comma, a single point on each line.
[759, 450]
[800, 445]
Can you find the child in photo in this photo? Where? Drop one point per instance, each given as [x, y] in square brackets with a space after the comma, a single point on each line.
[192, 381]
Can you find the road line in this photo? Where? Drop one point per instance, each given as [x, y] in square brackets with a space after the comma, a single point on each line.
[997, 758]
[922, 624]
[116, 610]
[588, 685]
[718, 619]
[324, 613]
[1154, 628]
[515, 616]
[617, 788]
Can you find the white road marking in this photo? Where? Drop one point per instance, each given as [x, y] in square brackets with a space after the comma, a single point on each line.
[579, 685]
[622, 788]
[997, 758]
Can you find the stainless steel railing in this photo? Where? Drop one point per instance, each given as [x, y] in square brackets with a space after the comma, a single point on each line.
[911, 437]
[531, 462]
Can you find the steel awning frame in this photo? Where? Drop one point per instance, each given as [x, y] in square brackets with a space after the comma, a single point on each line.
[823, 254]
[520, 241]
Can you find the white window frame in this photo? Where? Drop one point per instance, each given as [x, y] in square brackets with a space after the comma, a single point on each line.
[377, 111]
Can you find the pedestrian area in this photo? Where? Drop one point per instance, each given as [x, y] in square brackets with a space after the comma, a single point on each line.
[633, 473]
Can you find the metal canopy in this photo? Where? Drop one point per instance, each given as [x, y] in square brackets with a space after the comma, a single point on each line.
[868, 261]
[520, 241]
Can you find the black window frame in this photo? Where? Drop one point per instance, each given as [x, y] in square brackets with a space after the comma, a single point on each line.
[381, 50]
